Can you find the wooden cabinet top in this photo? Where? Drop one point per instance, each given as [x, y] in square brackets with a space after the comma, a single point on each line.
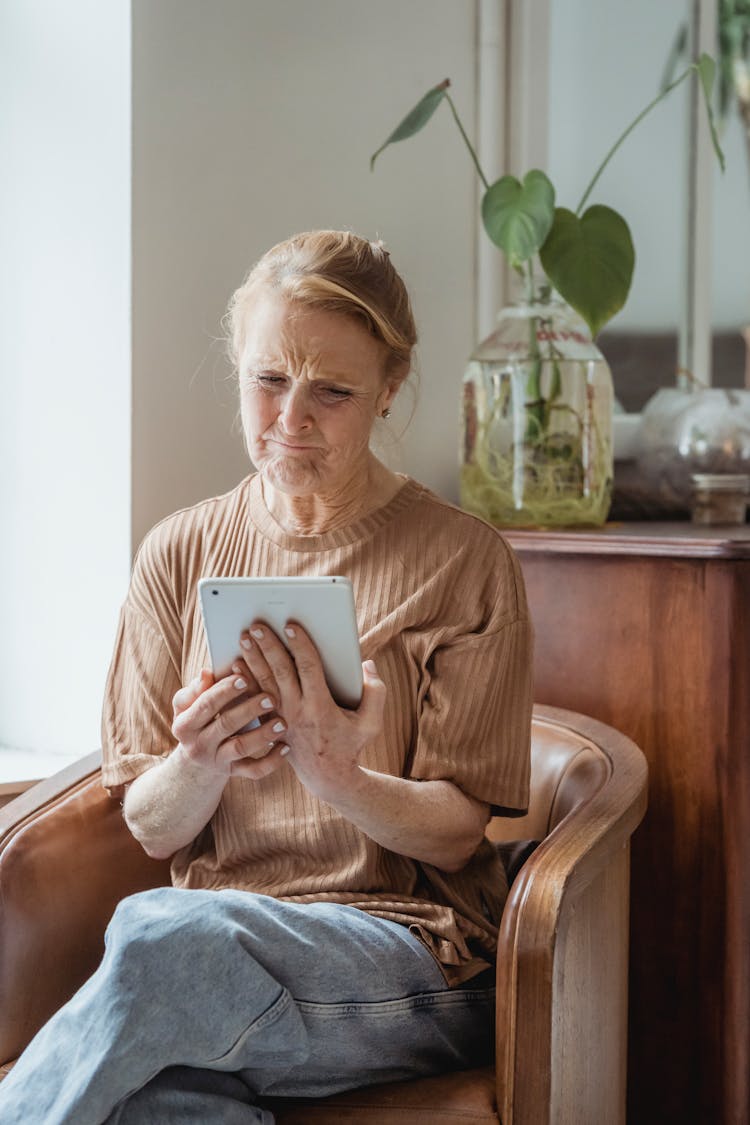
[675, 539]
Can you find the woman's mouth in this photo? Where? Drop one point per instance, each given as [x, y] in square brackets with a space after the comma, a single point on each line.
[291, 446]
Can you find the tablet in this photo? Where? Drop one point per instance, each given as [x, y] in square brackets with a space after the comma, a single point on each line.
[324, 607]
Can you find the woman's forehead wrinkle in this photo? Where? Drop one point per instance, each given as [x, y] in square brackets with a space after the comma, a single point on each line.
[295, 359]
[298, 351]
[276, 352]
[295, 346]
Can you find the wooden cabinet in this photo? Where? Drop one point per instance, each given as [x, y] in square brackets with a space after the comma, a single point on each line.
[647, 627]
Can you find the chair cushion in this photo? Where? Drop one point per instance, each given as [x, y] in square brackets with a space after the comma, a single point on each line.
[449, 1099]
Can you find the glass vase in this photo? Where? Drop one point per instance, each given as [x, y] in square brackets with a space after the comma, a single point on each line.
[686, 431]
[537, 421]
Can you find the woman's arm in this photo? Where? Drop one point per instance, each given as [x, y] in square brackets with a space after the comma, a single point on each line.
[169, 805]
[430, 821]
[166, 807]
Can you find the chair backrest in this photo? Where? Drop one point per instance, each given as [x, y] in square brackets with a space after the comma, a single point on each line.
[566, 770]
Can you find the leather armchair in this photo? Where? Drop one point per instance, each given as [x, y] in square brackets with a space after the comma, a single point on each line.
[66, 858]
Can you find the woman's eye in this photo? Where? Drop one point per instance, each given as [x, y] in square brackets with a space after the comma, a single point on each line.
[270, 380]
[335, 393]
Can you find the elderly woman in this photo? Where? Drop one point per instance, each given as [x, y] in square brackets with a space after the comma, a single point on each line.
[334, 908]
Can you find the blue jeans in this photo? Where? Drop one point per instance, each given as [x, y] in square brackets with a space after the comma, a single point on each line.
[206, 999]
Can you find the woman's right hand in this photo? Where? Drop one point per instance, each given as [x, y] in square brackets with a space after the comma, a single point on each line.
[167, 806]
[208, 719]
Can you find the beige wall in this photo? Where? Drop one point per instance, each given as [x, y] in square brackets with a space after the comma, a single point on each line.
[253, 119]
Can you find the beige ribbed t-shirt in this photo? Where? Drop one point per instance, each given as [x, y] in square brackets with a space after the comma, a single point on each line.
[441, 610]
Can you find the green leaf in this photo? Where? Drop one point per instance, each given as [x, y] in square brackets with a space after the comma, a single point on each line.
[590, 262]
[518, 216]
[706, 68]
[676, 54]
[416, 118]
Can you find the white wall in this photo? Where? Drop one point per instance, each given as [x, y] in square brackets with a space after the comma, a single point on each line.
[731, 231]
[64, 363]
[607, 61]
[606, 64]
[254, 119]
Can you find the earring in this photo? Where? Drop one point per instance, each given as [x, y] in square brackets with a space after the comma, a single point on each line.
[385, 413]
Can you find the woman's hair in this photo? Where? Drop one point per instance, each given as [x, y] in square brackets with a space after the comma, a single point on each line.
[334, 271]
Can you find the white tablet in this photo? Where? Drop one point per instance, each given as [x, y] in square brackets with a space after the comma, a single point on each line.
[324, 607]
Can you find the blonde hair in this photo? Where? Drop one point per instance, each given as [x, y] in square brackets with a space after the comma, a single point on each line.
[335, 271]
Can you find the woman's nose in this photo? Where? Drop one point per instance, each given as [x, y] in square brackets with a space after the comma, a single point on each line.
[295, 412]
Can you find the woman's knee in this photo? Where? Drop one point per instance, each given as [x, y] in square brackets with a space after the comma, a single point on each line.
[159, 923]
[183, 1093]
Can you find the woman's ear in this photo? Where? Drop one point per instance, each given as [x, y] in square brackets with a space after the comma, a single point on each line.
[393, 381]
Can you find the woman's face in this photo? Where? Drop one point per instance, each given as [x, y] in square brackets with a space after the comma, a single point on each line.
[311, 385]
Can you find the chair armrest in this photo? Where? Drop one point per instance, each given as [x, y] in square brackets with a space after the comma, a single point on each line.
[564, 934]
[66, 860]
[46, 793]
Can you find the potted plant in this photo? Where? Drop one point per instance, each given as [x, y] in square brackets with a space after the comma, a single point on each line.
[537, 398]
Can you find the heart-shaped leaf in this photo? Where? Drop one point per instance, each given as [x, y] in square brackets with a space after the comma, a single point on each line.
[416, 118]
[706, 68]
[518, 216]
[590, 262]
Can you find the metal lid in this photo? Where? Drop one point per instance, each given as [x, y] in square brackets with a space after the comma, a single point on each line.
[722, 482]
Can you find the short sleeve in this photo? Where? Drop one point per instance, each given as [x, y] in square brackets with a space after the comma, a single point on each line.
[474, 726]
[143, 678]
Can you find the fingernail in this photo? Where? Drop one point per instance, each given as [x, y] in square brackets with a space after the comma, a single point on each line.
[240, 683]
[270, 745]
[370, 666]
[245, 642]
[266, 703]
[257, 633]
[278, 727]
[289, 631]
[284, 751]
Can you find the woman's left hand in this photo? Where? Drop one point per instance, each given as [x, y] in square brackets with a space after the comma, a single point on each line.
[325, 740]
[430, 821]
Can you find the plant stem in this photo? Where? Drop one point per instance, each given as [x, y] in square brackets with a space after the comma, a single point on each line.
[743, 104]
[530, 283]
[651, 105]
[467, 142]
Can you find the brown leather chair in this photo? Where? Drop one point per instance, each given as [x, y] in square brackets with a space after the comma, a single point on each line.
[66, 858]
